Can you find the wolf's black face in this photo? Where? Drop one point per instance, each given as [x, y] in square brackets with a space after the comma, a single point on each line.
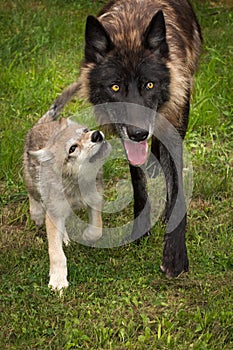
[146, 84]
[129, 76]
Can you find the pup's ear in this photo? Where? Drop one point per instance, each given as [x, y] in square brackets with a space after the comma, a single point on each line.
[42, 155]
[155, 35]
[97, 41]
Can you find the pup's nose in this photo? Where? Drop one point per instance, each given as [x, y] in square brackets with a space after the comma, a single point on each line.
[97, 136]
[137, 134]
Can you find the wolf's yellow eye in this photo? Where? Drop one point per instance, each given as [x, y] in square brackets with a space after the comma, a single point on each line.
[149, 85]
[115, 87]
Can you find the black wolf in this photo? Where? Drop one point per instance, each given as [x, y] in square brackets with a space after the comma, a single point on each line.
[145, 53]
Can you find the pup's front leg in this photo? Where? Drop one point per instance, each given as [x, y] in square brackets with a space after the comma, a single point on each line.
[93, 232]
[58, 269]
[36, 211]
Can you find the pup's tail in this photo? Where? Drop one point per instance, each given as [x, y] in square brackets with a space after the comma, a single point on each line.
[60, 102]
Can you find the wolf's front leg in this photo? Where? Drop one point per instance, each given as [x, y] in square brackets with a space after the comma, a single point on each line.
[58, 270]
[93, 232]
[142, 223]
[175, 259]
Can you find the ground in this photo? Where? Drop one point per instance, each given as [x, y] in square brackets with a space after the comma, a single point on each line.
[117, 298]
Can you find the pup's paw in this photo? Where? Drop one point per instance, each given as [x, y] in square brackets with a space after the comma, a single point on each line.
[66, 239]
[38, 218]
[91, 234]
[36, 211]
[58, 282]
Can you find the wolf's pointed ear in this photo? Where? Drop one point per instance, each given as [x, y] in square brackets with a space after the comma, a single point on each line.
[155, 35]
[42, 155]
[97, 41]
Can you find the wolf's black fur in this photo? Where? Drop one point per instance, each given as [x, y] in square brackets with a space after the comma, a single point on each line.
[145, 53]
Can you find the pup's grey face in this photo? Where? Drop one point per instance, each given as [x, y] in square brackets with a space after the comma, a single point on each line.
[90, 147]
[74, 148]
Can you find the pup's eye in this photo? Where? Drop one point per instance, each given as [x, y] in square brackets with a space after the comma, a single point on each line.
[72, 148]
[85, 130]
[149, 85]
[115, 87]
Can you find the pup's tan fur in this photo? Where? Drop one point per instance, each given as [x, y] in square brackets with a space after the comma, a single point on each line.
[61, 163]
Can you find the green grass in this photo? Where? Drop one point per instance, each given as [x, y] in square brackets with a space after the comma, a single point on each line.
[117, 298]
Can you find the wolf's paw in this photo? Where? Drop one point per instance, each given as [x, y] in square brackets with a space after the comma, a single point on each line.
[91, 234]
[58, 282]
[170, 271]
[174, 261]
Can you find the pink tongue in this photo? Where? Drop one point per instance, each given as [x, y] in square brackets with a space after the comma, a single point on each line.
[136, 152]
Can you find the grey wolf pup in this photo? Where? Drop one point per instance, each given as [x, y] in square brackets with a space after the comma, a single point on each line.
[145, 53]
[61, 167]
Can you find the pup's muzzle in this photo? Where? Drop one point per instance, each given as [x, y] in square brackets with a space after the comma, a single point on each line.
[103, 148]
[97, 136]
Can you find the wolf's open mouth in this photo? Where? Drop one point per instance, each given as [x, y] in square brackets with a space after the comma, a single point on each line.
[136, 152]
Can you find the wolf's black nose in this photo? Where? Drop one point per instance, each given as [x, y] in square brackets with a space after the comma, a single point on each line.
[97, 136]
[136, 134]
